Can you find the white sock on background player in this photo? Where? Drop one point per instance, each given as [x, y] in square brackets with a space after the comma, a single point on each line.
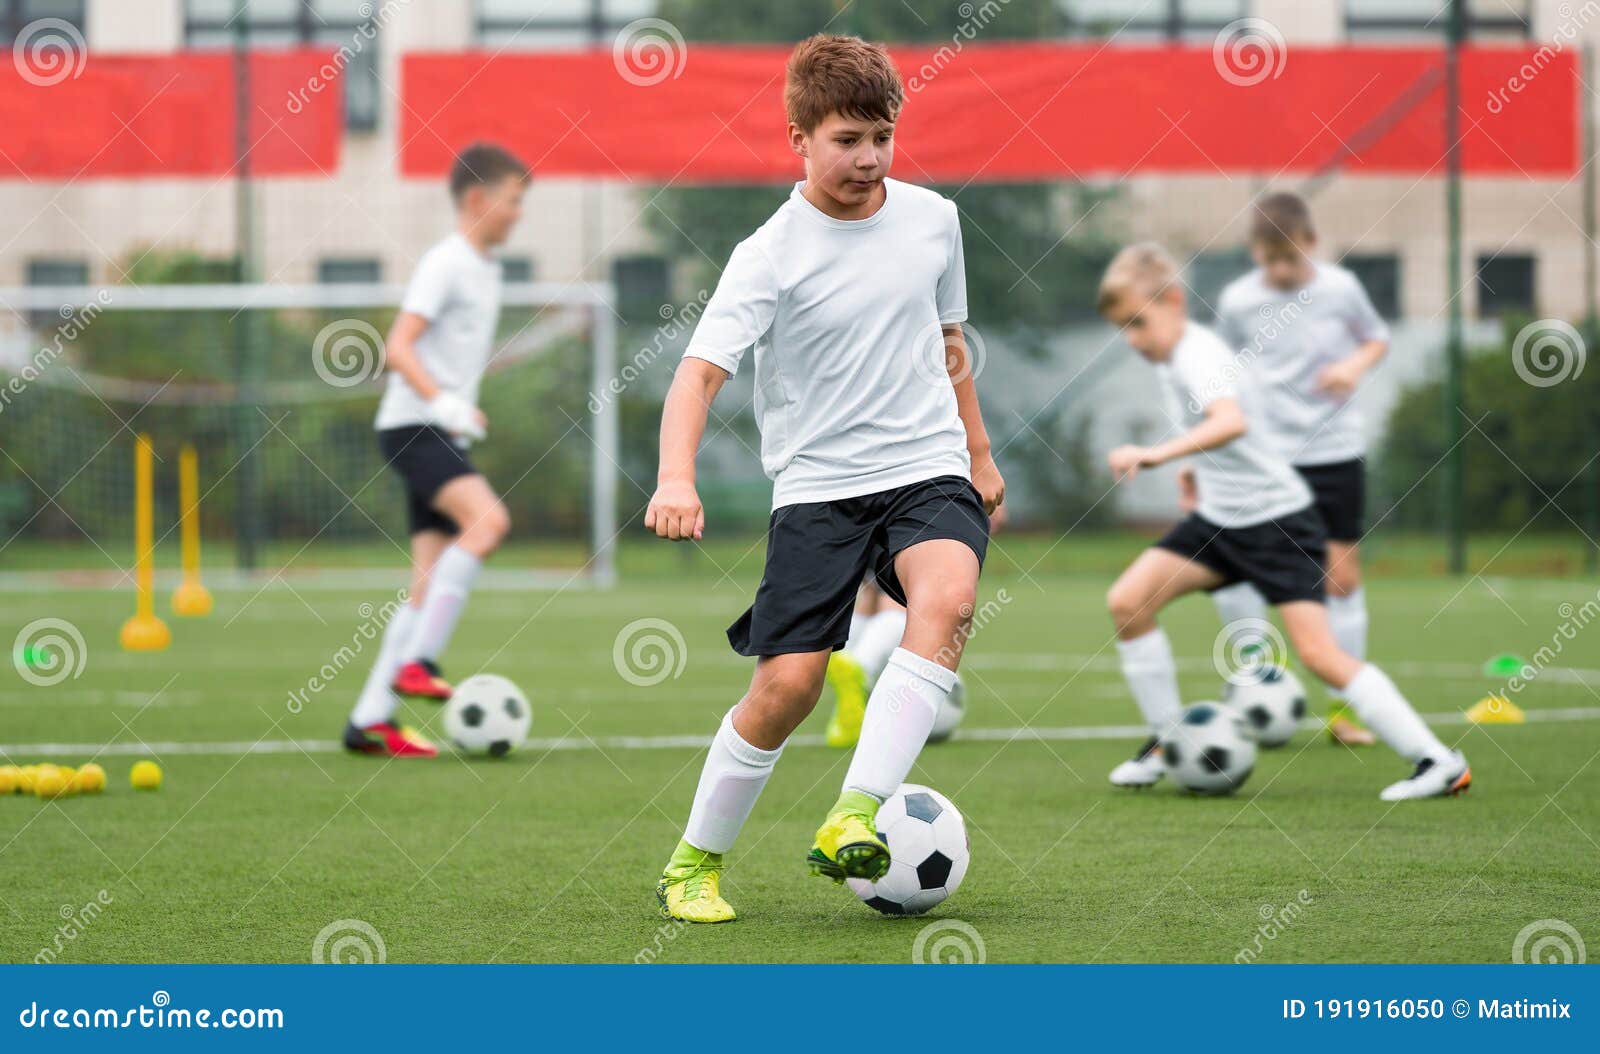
[377, 701]
[448, 587]
[1152, 677]
[879, 639]
[1383, 709]
[899, 717]
[1347, 616]
[858, 622]
[1237, 605]
[730, 782]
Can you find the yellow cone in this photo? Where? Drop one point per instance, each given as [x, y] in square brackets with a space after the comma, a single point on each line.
[1496, 710]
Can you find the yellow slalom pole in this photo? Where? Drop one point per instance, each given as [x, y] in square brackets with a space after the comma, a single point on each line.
[144, 631]
[190, 599]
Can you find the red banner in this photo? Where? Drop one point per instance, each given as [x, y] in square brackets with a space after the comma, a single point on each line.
[714, 113]
[91, 116]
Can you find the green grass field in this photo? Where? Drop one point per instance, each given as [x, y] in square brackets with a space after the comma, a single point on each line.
[551, 855]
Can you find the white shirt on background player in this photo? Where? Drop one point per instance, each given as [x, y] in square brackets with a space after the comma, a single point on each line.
[1317, 325]
[1242, 483]
[844, 315]
[457, 289]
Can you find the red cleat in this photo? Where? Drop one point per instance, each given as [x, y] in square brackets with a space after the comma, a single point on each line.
[395, 741]
[421, 680]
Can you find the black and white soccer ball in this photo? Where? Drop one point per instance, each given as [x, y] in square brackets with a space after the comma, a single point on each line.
[1272, 700]
[487, 714]
[950, 713]
[1208, 750]
[927, 842]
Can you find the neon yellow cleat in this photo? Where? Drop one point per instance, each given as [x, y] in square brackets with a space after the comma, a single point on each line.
[848, 845]
[690, 889]
[849, 683]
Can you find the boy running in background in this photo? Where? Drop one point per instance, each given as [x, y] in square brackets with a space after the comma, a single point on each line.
[851, 296]
[1255, 523]
[1307, 334]
[436, 353]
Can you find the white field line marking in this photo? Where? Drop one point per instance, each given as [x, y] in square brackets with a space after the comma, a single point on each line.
[694, 742]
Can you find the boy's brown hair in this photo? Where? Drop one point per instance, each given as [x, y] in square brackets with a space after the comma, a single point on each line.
[847, 75]
[1280, 219]
[484, 165]
[1144, 270]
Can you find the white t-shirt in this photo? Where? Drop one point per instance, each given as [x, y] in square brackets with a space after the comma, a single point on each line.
[1284, 339]
[1244, 482]
[457, 289]
[851, 392]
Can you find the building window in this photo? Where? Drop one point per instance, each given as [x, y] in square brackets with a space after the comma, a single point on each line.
[58, 270]
[1150, 19]
[1505, 285]
[347, 25]
[555, 23]
[642, 285]
[17, 15]
[1209, 273]
[1379, 274]
[338, 270]
[1484, 19]
[516, 269]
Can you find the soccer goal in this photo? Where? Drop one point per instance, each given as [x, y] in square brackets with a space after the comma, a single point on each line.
[276, 386]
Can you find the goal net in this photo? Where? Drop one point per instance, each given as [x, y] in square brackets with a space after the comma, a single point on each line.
[276, 387]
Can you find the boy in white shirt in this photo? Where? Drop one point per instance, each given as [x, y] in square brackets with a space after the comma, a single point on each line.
[436, 353]
[1254, 523]
[1307, 334]
[852, 297]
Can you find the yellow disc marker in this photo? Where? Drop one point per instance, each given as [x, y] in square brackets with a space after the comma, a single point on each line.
[145, 776]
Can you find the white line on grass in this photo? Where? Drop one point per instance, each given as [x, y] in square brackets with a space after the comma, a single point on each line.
[695, 742]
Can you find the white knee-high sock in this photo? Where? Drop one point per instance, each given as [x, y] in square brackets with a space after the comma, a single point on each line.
[448, 586]
[377, 702]
[1240, 606]
[730, 782]
[1383, 709]
[879, 638]
[899, 717]
[1347, 615]
[1152, 676]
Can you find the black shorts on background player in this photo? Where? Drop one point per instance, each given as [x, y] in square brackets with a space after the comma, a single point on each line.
[818, 552]
[426, 459]
[1282, 558]
[1339, 494]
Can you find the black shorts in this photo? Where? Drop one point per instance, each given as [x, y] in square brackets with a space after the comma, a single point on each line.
[426, 458]
[817, 553]
[1339, 494]
[1282, 558]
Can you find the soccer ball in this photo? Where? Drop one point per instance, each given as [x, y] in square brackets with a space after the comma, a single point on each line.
[927, 841]
[487, 714]
[951, 711]
[1208, 751]
[1272, 701]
